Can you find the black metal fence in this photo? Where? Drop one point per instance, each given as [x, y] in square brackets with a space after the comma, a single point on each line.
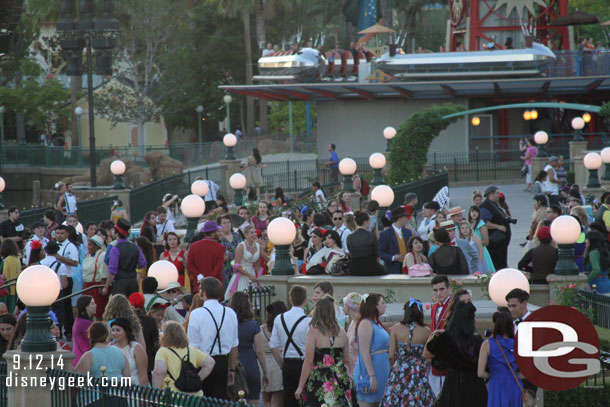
[260, 297]
[3, 388]
[478, 165]
[599, 304]
[425, 189]
[92, 210]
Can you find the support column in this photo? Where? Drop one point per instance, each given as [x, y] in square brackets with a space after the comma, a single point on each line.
[230, 168]
[577, 149]
[354, 200]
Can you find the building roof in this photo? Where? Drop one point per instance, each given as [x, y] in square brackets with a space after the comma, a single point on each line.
[521, 87]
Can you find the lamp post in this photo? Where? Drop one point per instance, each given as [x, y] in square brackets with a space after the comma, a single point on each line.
[38, 287]
[565, 231]
[199, 110]
[229, 140]
[88, 32]
[164, 272]
[578, 124]
[238, 183]
[593, 162]
[541, 138]
[117, 168]
[377, 161]
[503, 281]
[384, 195]
[200, 187]
[388, 134]
[228, 99]
[2, 186]
[2, 155]
[192, 208]
[281, 232]
[347, 167]
[78, 112]
[605, 154]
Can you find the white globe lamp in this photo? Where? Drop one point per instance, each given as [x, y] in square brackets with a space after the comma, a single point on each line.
[117, 168]
[164, 272]
[565, 231]
[377, 161]
[347, 167]
[593, 162]
[605, 154]
[192, 207]
[229, 140]
[200, 188]
[578, 124]
[238, 183]
[388, 134]
[503, 281]
[281, 232]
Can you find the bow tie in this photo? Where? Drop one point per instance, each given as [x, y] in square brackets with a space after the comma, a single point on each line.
[452, 244]
[517, 321]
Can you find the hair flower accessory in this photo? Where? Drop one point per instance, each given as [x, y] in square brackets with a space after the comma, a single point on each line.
[364, 297]
[388, 214]
[416, 302]
[36, 244]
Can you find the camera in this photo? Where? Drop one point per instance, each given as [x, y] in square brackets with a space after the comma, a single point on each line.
[511, 220]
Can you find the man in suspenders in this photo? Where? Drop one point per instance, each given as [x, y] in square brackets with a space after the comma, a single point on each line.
[287, 342]
[213, 330]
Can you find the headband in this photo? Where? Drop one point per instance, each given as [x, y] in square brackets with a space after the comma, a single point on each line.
[416, 302]
[351, 305]
[364, 297]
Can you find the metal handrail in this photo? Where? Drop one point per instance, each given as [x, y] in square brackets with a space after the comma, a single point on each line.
[8, 285]
[78, 292]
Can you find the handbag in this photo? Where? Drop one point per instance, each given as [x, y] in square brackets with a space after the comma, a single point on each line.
[527, 396]
[340, 267]
[240, 383]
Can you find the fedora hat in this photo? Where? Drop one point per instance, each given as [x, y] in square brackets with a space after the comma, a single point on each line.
[448, 225]
[455, 211]
[210, 226]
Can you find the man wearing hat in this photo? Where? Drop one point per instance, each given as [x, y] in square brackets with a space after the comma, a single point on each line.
[456, 214]
[427, 224]
[206, 256]
[498, 226]
[552, 183]
[95, 272]
[393, 241]
[541, 260]
[38, 227]
[124, 258]
[470, 253]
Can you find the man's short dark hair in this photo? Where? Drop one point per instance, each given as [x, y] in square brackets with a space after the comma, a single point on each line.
[409, 197]
[212, 288]
[440, 279]
[333, 146]
[149, 285]
[50, 214]
[297, 295]
[519, 294]
[62, 227]
[12, 209]
[160, 210]
[372, 206]
[243, 207]
[338, 211]
[442, 236]
[432, 205]
[319, 220]
[555, 209]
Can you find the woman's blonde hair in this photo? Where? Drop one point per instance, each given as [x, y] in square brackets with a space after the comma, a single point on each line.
[470, 232]
[324, 318]
[119, 306]
[349, 221]
[581, 214]
[352, 301]
[174, 336]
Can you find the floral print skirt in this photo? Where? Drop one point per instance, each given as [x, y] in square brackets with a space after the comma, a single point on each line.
[329, 383]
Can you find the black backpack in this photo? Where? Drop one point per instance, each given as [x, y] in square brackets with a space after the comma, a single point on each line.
[188, 380]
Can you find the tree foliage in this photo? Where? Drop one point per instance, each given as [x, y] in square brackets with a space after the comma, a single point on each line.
[413, 139]
[279, 121]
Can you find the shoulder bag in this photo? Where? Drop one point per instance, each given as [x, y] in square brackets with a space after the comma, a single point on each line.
[240, 383]
[527, 396]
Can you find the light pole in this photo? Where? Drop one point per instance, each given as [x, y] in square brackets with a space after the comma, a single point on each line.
[228, 99]
[192, 208]
[2, 155]
[541, 138]
[281, 232]
[199, 110]
[578, 124]
[238, 183]
[347, 167]
[593, 162]
[78, 112]
[605, 154]
[384, 195]
[229, 140]
[2, 186]
[377, 161]
[164, 272]
[117, 168]
[565, 231]
[88, 32]
[38, 287]
[388, 134]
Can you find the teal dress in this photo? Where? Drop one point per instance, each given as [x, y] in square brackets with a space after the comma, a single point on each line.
[380, 343]
[488, 262]
[111, 357]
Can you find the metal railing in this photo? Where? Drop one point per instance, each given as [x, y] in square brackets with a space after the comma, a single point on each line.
[579, 63]
[478, 165]
[92, 210]
[3, 387]
[260, 297]
[599, 304]
[425, 189]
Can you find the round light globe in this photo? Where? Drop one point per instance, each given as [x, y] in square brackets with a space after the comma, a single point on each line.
[592, 161]
[2, 184]
[541, 137]
[229, 140]
[527, 115]
[192, 206]
[281, 231]
[165, 272]
[534, 114]
[117, 167]
[586, 117]
[476, 121]
[605, 154]
[237, 181]
[78, 111]
[502, 282]
[565, 230]
[578, 123]
[389, 133]
[199, 187]
[347, 166]
[383, 194]
[199, 109]
[38, 286]
[377, 161]
[227, 99]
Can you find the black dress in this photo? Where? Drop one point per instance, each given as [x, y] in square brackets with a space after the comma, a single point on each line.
[364, 251]
[329, 382]
[462, 387]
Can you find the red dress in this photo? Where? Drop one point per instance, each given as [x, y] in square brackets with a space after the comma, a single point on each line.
[179, 265]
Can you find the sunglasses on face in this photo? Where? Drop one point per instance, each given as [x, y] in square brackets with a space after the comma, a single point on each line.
[172, 291]
[337, 218]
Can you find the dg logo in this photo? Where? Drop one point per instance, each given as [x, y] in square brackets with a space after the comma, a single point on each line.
[557, 348]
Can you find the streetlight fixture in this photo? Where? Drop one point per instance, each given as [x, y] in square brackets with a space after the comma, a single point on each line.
[229, 140]
[377, 161]
[347, 167]
[534, 114]
[192, 208]
[527, 115]
[578, 124]
[38, 287]
[2, 155]
[503, 281]
[199, 110]
[384, 195]
[78, 112]
[593, 162]
[165, 272]
[281, 232]
[605, 154]
[388, 134]
[541, 138]
[200, 187]
[117, 168]
[2, 186]
[238, 183]
[476, 121]
[586, 117]
[88, 31]
[565, 231]
[228, 99]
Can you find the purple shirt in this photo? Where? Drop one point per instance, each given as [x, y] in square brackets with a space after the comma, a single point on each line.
[533, 151]
[81, 339]
[113, 263]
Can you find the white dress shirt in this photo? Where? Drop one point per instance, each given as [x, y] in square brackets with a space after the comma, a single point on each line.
[70, 251]
[51, 262]
[527, 314]
[344, 232]
[28, 248]
[425, 227]
[279, 336]
[167, 226]
[202, 331]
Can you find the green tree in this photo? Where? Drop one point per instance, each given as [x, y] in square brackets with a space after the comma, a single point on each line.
[598, 8]
[279, 117]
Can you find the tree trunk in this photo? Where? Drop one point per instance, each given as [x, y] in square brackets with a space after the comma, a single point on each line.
[245, 16]
[262, 40]
[141, 145]
[75, 88]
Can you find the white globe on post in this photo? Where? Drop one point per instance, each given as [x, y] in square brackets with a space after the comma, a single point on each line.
[192, 207]
[229, 140]
[281, 232]
[237, 182]
[541, 137]
[377, 161]
[165, 272]
[593, 162]
[227, 99]
[389, 133]
[565, 231]
[503, 281]
[2, 184]
[347, 167]
[117, 167]
[384, 195]
[578, 123]
[605, 154]
[78, 111]
[200, 188]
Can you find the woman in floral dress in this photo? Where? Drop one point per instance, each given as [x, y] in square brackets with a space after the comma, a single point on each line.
[324, 377]
[408, 384]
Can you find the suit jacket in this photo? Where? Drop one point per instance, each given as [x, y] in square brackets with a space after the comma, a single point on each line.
[206, 257]
[470, 253]
[388, 247]
[439, 323]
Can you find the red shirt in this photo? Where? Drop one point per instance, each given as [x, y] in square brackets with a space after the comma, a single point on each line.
[205, 257]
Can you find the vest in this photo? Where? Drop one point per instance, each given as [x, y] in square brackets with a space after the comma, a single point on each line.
[497, 214]
[402, 246]
[128, 260]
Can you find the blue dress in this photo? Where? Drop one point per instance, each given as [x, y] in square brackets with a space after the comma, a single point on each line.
[503, 390]
[489, 264]
[579, 252]
[246, 331]
[380, 343]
